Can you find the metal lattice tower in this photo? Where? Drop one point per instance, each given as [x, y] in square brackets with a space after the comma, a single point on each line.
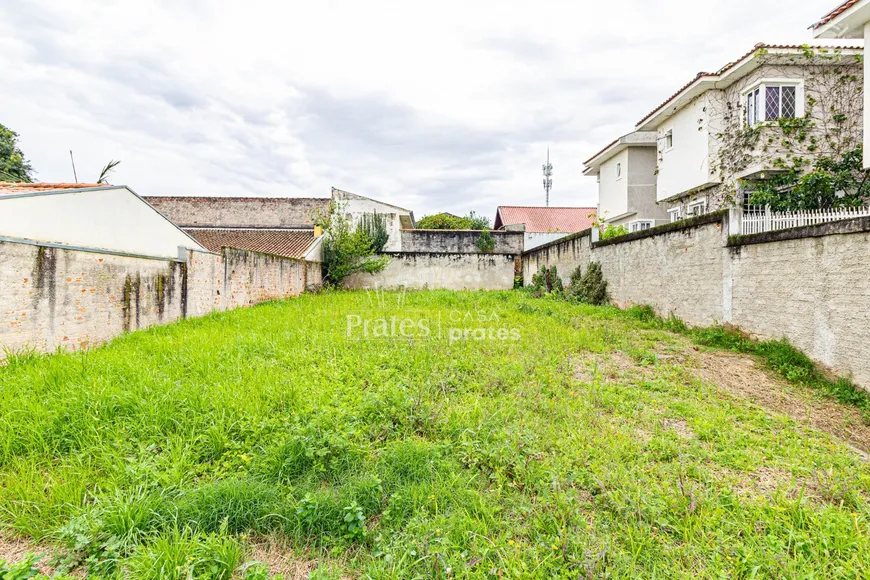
[548, 177]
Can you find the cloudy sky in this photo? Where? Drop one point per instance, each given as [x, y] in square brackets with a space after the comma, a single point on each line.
[434, 106]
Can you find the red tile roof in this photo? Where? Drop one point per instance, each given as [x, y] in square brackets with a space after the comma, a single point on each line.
[547, 219]
[287, 243]
[836, 12]
[15, 187]
[731, 65]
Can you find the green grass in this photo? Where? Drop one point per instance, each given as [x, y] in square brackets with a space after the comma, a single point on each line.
[161, 454]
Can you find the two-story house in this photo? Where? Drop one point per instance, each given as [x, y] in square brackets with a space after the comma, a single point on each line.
[626, 173]
[761, 114]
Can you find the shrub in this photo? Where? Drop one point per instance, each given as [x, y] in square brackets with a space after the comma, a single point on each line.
[547, 280]
[374, 226]
[612, 231]
[589, 287]
[346, 250]
[485, 242]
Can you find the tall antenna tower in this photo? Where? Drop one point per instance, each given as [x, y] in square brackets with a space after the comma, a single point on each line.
[548, 177]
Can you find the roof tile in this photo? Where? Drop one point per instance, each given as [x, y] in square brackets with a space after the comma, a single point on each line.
[16, 187]
[548, 219]
[287, 243]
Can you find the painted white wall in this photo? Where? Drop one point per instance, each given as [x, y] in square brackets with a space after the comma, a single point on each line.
[613, 190]
[686, 165]
[357, 205]
[107, 219]
[535, 239]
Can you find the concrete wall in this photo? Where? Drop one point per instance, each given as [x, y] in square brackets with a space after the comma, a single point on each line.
[808, 285]
[357, 206]
[642, 162]
[433, 271]
[55, 297]
[110, 218]
[459, 241]
[534, 239]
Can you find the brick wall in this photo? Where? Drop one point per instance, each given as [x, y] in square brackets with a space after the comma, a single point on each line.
[272, 212]
[808, 285]
[53, 297]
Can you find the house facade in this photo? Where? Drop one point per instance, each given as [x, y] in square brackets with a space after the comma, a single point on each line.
[764, 113]
[851, 20]
[626, 174]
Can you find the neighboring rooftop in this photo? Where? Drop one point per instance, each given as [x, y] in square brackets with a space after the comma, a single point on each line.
[287, 243]
[17, 187]
[241, 212]
[729, 73]
[846, 21]
[546, 219]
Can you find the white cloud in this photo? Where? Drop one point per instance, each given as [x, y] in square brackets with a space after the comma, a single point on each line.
[433, 106]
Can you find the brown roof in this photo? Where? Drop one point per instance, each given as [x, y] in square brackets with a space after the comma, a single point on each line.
[546, 219]
[287, 243]
[15, 187]
[835, 12]
[731, 65]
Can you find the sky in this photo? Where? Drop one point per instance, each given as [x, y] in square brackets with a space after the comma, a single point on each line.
[432, 106]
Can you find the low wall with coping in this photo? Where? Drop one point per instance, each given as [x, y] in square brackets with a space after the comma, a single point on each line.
[460, 241]
[808, 285]
[60, 297]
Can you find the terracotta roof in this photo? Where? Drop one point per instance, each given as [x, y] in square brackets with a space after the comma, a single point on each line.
[287, 243]
[547, 219]
[13, 187]
[734, 63]
[836, 12]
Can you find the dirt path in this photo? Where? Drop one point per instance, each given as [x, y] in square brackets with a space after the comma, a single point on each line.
[741, 376]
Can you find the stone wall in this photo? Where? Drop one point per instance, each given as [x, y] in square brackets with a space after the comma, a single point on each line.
[433, 271]
[809, 285]
[59, 297]
[459, 241]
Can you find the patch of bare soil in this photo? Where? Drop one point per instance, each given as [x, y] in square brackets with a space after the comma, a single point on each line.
[610, 366]
[680, 427]
[14, 550]
[740, 375]
[280, 559]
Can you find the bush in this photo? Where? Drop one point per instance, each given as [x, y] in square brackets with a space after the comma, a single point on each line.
[612, 231]
[346, 250]
[547, 281]
[590, 288]
[485, 242]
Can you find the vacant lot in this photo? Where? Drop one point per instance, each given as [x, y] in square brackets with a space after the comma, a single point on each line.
[473, 435]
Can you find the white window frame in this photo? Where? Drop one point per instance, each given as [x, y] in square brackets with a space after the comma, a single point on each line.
[640, 225]
[669, 140]
[698, 203]
[760, 112]
[675, 213]
[618, 170]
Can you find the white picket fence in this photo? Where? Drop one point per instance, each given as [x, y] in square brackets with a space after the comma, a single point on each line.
[759, 219]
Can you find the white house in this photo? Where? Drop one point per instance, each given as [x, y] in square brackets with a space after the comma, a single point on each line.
[850, 19]
[626, 173]
[102, 217]
[724, 128]
[398, 218]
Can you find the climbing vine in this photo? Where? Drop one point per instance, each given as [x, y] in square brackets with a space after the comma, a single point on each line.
[807, 162]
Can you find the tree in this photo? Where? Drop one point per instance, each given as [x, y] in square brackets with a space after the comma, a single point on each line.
[348, 250]
[13, 165]
[446, 221]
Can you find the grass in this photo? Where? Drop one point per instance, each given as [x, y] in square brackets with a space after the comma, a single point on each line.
[526, 453]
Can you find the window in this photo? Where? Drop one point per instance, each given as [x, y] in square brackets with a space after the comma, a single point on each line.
[752, 116]
[618, 170]
[697, 207]
[675, 213]
[640, 226]
[669, 140]
[771, 101]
